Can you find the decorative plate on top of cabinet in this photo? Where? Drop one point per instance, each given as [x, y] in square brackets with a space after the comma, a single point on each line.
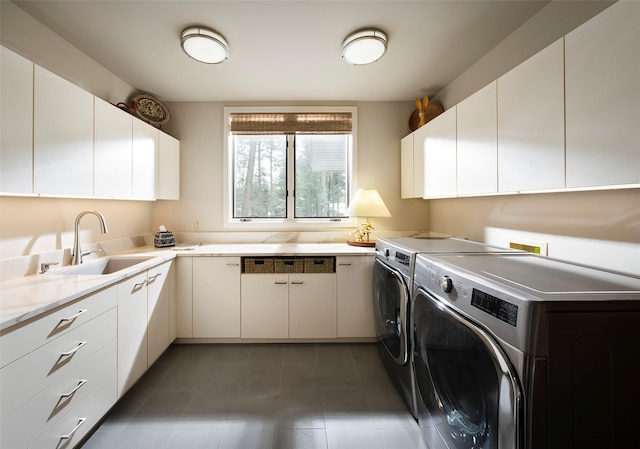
[150, 109]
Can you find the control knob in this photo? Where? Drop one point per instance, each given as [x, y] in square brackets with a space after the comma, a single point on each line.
[446, 284]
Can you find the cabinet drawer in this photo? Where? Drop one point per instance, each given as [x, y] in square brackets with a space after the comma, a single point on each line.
[72, 428]
[28, 376]
[29, 422]
[22, 340]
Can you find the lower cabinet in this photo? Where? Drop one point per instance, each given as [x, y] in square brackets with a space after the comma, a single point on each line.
[265, 305]
[289, 305]
[216, 297]
[63, 378]
[355, 296]
[312, 306]
[216, 300]
[143, 323]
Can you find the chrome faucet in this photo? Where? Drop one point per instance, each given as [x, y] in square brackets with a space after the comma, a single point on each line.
[77, 251]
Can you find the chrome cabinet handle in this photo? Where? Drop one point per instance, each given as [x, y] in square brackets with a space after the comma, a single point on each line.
[281, 282]
[138, 286]
[74, 350]
[297, 282]
[153, 278]
[74, 430]
[77, 387]
[233, 264]
[74, 316]
[344, 264]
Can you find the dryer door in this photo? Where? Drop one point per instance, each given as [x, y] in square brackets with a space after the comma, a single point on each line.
[466, 387]
[390, 303]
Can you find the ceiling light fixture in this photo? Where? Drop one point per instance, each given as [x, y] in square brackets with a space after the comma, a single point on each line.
[204, 45]
[364, 46]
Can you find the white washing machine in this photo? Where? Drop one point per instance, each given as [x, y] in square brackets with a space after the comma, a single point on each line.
[525, 352]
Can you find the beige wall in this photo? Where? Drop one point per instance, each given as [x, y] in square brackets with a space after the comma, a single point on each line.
[199, 127]
[36, 225]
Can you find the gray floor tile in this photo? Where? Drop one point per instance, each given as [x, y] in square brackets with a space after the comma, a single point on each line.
[261, 396]
[300, 439]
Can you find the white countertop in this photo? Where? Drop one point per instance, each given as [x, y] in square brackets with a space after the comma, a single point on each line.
[24, 298]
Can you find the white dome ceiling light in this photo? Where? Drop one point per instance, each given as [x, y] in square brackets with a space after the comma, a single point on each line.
[204, 45]
[364, 46]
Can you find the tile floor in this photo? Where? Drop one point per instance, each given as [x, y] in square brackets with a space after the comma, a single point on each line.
[271, 396]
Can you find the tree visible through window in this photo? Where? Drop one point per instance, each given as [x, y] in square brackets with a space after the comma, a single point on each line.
[290, 167]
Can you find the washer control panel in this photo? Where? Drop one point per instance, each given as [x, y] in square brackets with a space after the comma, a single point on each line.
[496, 307]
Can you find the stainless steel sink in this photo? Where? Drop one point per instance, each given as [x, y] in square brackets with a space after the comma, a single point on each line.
[104, 265]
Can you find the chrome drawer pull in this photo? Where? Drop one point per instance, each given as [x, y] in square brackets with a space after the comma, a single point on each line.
[154, 277]
[74, 316]
[74, 430]
[77, 387]
[297, 282]
[139, 286]
[344, 264]
[281, 283]
[74, 350]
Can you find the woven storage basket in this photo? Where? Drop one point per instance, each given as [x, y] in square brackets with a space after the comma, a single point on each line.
[258, 265]
[289, 265]
[319, 264]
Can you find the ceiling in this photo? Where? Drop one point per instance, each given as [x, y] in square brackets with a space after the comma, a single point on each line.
[285, 50]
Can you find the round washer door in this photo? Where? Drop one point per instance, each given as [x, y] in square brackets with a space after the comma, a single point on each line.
[390, 302]
[465, 384]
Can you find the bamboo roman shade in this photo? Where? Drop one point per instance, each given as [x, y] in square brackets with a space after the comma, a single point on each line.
[290, 123]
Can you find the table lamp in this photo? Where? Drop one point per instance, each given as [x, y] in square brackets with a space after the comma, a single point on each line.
[366, 203]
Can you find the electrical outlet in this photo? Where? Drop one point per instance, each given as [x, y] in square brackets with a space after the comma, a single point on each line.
[196, 225]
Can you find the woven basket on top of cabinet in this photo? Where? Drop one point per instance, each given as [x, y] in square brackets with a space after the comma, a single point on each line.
[319, 264]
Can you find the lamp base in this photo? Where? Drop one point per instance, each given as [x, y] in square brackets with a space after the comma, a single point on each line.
[369, 244]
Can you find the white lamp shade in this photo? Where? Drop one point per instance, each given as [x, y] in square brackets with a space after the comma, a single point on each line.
[364, 47]
[368, 203]
[204, 45]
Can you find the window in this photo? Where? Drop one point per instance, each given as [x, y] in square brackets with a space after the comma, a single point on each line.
[289, 167]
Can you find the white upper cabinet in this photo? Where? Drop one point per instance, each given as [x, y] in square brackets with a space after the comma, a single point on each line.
[16, 136]
[440, 155]
[113, 151]
[62, 137]
[168, 167]
[603, 98]
[406, 167]
[412, 164]
[531, 123]
[477, 144]
[145, 161]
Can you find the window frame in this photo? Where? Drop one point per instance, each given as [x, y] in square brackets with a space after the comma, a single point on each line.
[290, 222]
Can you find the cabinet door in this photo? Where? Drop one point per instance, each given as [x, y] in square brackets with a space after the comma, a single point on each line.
[62, 137]
[312, 305]
[112, 151]
[477, 143]
[531, 123]
[440, 156]
[602, 98]
[216, 297]
[145, 161]
[158, 315]
[132, 331]
[355, 296]
[419, 140]
[16, 136]
[184, 297]
[265, 305]
[168, 167]
[406, 167]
